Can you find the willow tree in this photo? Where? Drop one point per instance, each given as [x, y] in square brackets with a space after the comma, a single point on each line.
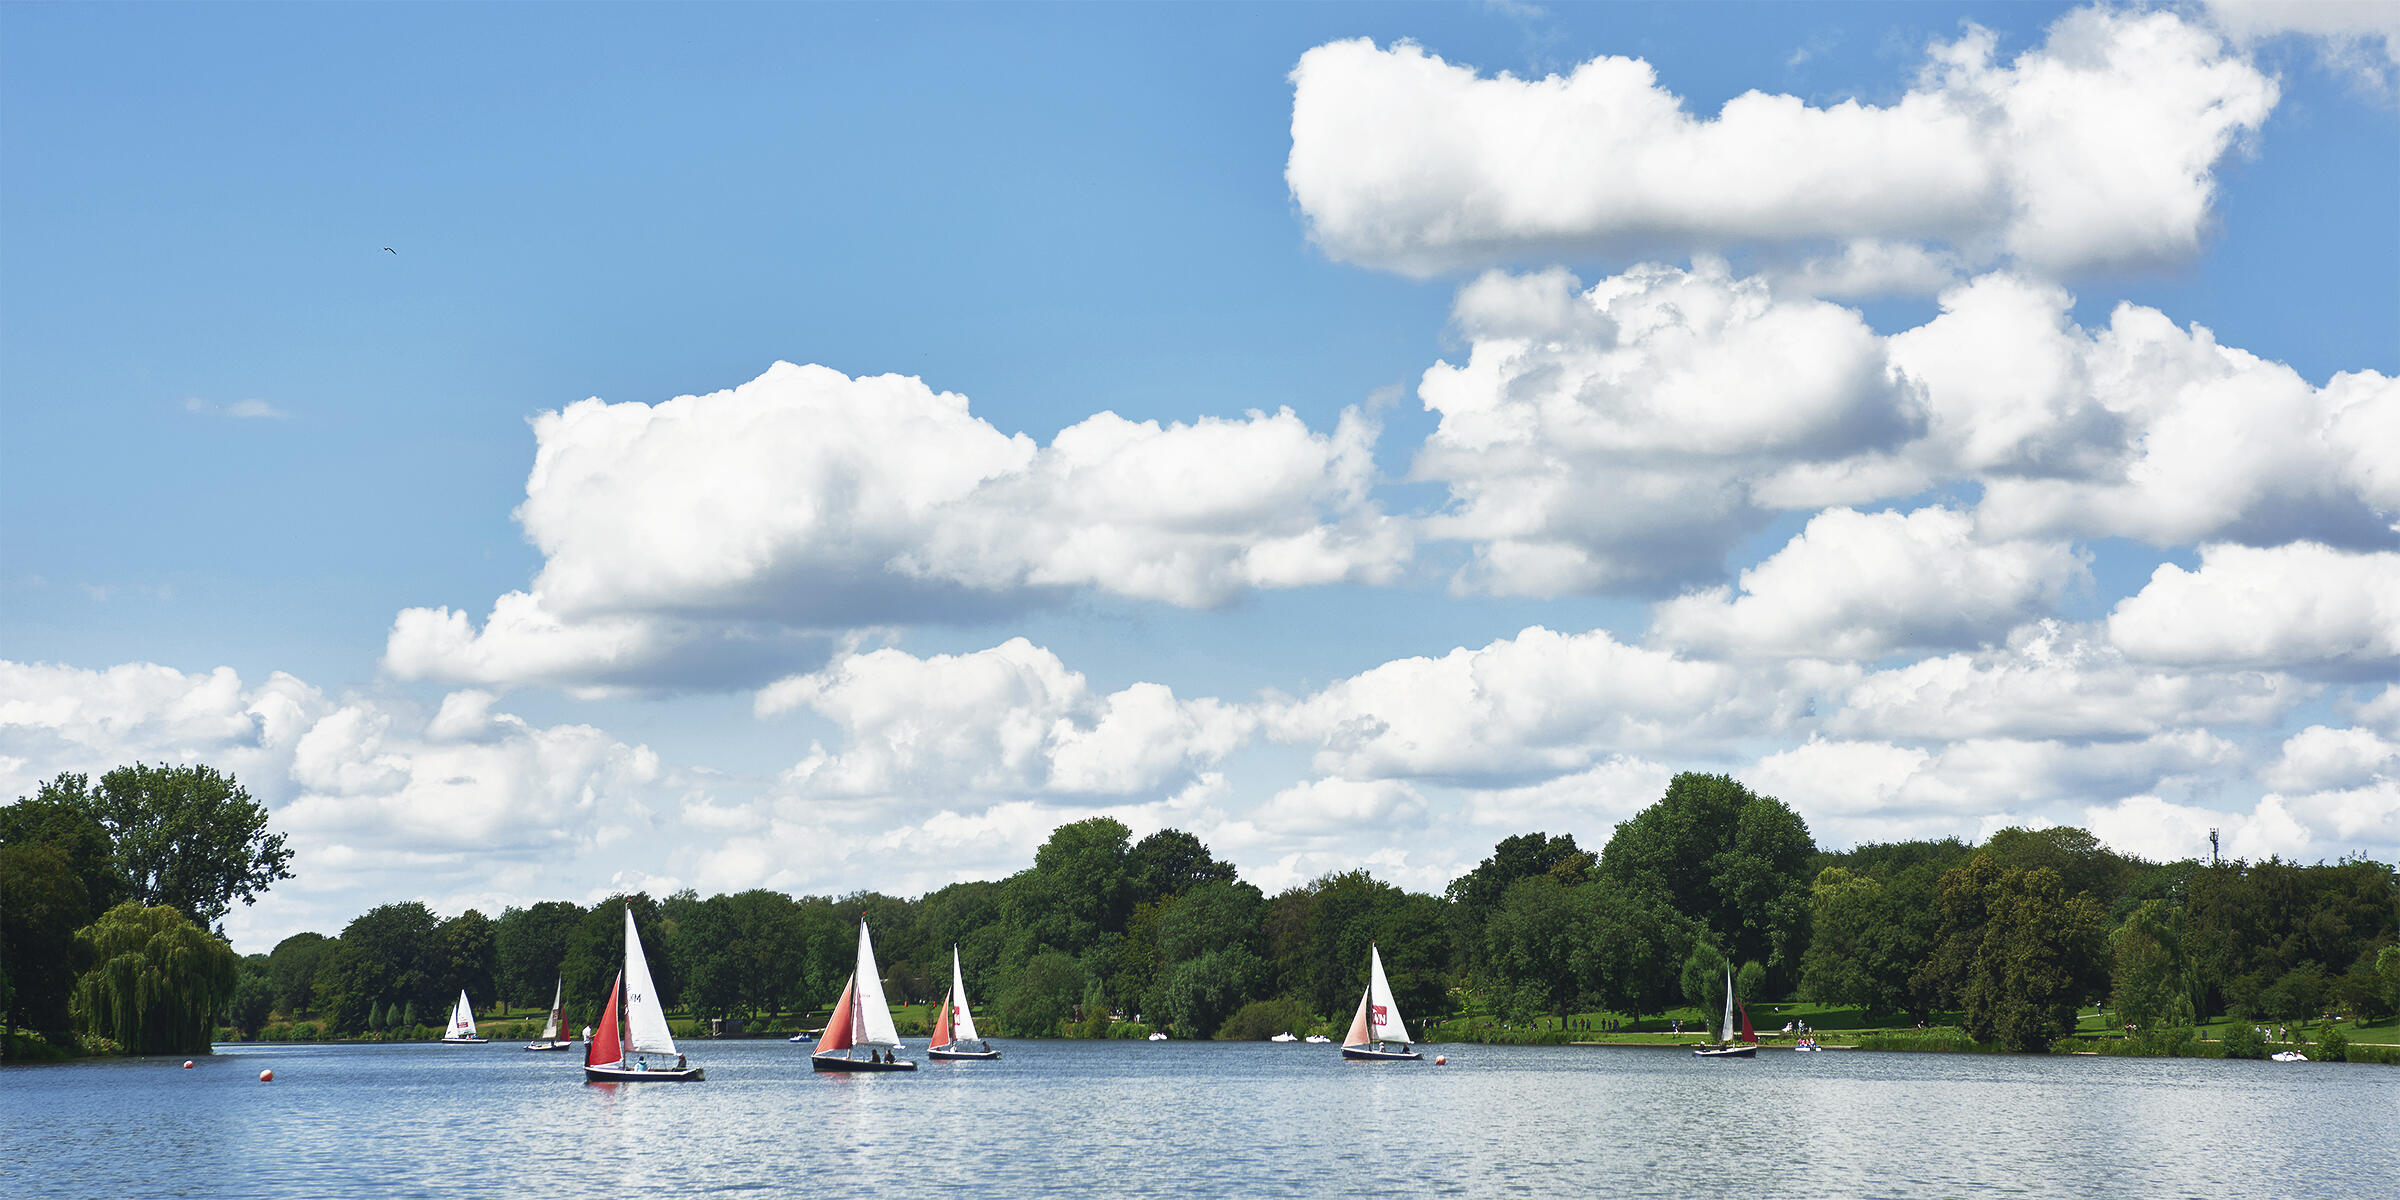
[157, 981]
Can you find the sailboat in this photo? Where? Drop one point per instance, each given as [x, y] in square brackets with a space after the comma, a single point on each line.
[1378, 1023]
[462, 1024]
[860, 1018]
[555, 1034]
[1746, 1046]
[952, 1035]
[609, 1059]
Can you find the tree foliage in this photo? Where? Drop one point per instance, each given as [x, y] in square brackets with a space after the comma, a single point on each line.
[1735, 861]
[157, 981]
[183, 836]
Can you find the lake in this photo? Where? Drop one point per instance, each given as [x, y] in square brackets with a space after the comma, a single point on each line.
[1199, 1119]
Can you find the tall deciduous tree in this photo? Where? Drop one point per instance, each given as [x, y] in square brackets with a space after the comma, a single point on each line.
[187, 837]
[157, 981]
[2149, 973]
[529, 947]
[292, 966]
[1170, 863]
[41, 907]
[467, 956]
[1736, 861]
[388, 957]
[2025, 953]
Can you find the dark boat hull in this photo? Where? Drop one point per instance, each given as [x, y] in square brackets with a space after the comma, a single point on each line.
[942, 1054]
[620, 1074]
[1728, 1052]
[1370, 1054]
[829, 1062]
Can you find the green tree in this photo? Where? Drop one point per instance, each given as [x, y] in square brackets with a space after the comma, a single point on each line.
[1077, 894]
[292, 967]
[467, 957]
[1475, 896]
[1197, 995]
[157, 981]
[1867, 934]
[41, 907]
[529, 946]
[187, 837]
[1736, 861]
[59, 815]
[2148, 971]
[1042, 996]
[387, 956]
[1632, 948]
[1170, 863]
[1703, 979]
[253, 997]
[2037, 955]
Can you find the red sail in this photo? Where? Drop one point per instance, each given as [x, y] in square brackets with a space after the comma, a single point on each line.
[603, 1048]
[837, 1027]
[941, 1026]
[1747, 1035]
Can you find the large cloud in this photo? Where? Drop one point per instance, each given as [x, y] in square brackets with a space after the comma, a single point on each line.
[1608, 437]
[1008, 721]
[1632, 435]
[699, 530]
[2053, 680]
[2098, 146]
[2303, 606]
[1530, 707]
[2144, 429]
[1862, 585]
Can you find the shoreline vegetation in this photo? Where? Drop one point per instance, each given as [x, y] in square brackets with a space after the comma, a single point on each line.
[2031, 941]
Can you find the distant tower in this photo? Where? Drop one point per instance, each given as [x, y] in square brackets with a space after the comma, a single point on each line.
[2212, 847]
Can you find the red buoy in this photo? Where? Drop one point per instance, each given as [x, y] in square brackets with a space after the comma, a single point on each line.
[266, 1076]
[1440, 1059]
[187, 1064]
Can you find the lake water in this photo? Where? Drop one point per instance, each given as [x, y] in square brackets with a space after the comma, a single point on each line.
[1200, 1119]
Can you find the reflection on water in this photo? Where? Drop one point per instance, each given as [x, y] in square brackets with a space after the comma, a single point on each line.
[1184, 1119]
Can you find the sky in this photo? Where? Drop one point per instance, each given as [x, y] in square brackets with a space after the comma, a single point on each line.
[551, 450]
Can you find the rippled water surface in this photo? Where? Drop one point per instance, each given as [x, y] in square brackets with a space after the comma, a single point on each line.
[1198, 1119]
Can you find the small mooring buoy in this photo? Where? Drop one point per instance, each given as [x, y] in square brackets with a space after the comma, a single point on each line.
[1440, 1059]
[266, 1076]
[187, 1064]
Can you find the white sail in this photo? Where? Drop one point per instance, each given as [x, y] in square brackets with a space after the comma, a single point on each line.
[1383, 1012]
[870, 1016]
[962, 1022]
[647, 1016]
[550, 1026]
[462, 1018]
[1728, 1036]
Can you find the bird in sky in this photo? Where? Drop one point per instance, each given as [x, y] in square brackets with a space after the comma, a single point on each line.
[389, 250]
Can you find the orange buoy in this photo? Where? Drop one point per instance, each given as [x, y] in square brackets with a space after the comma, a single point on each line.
[1440, 1059]
[187, 1064]
[266, 1076]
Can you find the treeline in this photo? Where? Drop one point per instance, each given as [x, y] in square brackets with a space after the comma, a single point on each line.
[2007, 938]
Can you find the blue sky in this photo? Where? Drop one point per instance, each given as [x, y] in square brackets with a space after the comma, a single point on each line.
[241, 444]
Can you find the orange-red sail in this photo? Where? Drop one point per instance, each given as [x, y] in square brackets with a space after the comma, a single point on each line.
[837, 1035]
[941, 1026]
[603, 1048]
[1748, 1035]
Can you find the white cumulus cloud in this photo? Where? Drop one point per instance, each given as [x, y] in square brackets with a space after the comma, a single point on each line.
[2098, 146]
[2300, 606]
[1861, 585]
